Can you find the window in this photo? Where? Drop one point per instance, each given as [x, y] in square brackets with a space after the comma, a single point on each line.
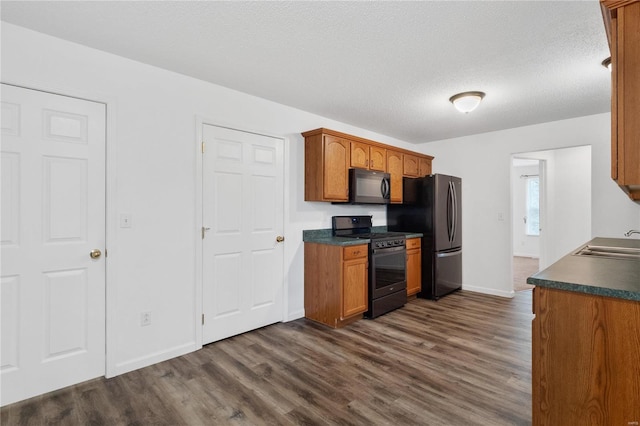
[533, 205]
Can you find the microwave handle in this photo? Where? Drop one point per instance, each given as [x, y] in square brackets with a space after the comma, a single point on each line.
[384, 187]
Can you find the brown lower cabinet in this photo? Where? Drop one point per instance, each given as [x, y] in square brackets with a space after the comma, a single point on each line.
[335, 283]
[585, 359]
[414, 266]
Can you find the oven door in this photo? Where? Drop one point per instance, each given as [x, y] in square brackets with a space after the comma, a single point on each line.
[388, 271]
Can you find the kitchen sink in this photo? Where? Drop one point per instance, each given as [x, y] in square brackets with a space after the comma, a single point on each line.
[609, 252]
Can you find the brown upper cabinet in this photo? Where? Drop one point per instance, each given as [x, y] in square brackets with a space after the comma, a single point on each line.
[410, 166]
[622, 23]
[364, 156]
[377, 158]
[424, 167]
[326, 174]
[359, 155]
[394, 168]
[329, 155]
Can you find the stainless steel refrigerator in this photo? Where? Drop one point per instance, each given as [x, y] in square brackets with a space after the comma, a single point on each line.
[432, 205]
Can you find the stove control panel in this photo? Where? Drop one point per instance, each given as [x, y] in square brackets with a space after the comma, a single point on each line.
[388, 243]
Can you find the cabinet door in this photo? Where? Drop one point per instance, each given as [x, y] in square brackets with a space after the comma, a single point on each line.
[624, 40]
[410, 165]
[414, 266]
[359, 155]
[627, 70]
[585, 359]
[336, 169]
[394, 168]
[377, 158]
[424, 165]
[414, 273]
[614, 98]
[354, 287]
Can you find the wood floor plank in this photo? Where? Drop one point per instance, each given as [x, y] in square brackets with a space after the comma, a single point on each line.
[465, 359]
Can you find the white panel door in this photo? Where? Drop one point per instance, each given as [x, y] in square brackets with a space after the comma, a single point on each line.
[243, 270]
[53, 216]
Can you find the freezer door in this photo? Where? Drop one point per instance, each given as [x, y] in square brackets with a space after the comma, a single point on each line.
[448, 272]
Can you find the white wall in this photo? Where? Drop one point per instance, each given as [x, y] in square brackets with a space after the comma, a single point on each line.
[152, 154]
[484, 163]
[571, 202]
[152, 159]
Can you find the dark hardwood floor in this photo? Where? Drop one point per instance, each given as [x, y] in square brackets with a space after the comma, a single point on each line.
[464, 360]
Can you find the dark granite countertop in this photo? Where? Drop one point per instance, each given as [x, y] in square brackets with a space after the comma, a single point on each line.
[619, 278]
[325, 236]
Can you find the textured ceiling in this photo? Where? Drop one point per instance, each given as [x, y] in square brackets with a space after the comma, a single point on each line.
[389, 67]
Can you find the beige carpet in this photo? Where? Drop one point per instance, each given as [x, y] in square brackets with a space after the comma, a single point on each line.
[523, 267]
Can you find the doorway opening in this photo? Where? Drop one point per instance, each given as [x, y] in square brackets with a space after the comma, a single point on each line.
[525, 220]
[551, 208]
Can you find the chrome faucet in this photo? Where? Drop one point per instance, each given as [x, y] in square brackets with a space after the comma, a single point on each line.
[631, 232]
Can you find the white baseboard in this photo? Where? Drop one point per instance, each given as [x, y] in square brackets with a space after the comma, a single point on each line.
[532, 256]
[292, 316]
[492, 291]
[154, 358]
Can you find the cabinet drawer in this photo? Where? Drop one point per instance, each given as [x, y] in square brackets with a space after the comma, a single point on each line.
[354, 252]
[413, 243]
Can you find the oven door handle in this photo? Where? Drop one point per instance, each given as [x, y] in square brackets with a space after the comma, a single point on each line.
[388, 250]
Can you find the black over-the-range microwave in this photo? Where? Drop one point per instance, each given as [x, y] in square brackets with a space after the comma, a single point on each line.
[369, 187]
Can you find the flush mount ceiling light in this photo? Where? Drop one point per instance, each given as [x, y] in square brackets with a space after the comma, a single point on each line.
[466, 101]
[607, 63]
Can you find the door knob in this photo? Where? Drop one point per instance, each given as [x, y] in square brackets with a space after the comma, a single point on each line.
[279, 238]
[95, 253]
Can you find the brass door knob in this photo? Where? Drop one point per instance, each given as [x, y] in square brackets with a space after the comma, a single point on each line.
[95, 253]
[279, 238]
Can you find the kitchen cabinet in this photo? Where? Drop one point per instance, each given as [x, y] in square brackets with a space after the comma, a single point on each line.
[414, 266]
[335, 283]
[622, 20]
[377, 158]
[585, 359]
[394, 168]
[424, 167]
[365, 156]
[329, 155]
[327, 160]
[410, 165]
[359, 155]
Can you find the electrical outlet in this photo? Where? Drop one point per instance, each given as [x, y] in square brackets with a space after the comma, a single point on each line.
[145, 319]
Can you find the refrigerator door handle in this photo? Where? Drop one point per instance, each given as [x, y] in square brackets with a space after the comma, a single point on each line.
[455, 211]
[449, 254]
[450, 212]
